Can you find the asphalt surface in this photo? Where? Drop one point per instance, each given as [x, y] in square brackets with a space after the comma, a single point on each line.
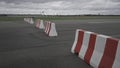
[24, 46]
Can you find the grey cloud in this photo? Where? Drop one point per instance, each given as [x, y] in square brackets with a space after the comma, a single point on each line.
[44, 1]
[115, 0]
[61, 6]
[34, 1]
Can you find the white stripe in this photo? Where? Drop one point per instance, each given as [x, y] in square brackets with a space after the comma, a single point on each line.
[41, 25]
[98, 51]
[31, 21]
[116, 63]
[85, 44]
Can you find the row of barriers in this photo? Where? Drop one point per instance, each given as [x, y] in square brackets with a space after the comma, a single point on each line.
[49, 28]
[99, 51]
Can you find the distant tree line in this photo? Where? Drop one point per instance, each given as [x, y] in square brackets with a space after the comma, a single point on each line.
[52, 15]
[3, 15]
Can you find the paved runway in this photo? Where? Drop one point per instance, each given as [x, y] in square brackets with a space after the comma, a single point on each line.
[24, 46]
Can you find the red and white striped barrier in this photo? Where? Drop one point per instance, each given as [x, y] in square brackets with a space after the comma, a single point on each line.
[99, 51]
[39, 24]
[50, 29]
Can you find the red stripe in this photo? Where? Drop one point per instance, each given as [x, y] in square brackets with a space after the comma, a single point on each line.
[49, 29]
[79, 42]
[39, 24]
[90, 49]
[109, 53]
[46, 27]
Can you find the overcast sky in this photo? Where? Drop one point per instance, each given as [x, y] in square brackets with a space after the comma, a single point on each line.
[60, 6]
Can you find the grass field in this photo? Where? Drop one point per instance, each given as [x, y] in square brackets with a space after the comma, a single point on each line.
[16, 18]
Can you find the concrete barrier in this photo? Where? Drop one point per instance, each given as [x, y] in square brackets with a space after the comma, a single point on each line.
[26, 19]
[98, 50]
[50, 29]
[39, 24]
[47, 27]
[29, 20]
